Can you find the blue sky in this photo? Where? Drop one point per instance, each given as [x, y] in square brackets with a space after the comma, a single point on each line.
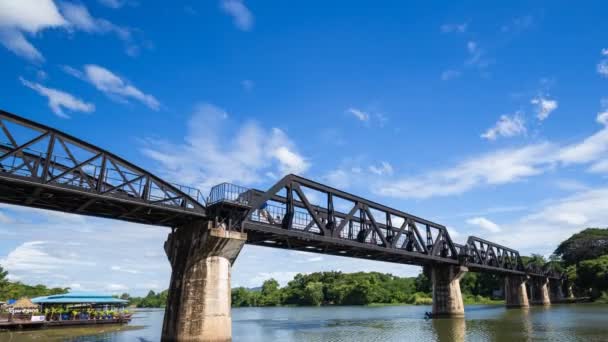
[489, 120]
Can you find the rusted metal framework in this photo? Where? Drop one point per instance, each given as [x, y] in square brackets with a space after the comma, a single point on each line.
[483, 254]
[297, 213]
[44, 168]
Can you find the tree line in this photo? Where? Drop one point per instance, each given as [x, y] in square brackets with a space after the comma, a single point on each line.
[583, 258]
[361, 288]
[151, 300]
[16, 289]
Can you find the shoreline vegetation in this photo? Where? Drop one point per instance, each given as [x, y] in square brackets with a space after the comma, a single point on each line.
[583, 258]
[361, 288]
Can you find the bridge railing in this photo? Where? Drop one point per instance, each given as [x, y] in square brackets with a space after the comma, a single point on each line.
[301, 205]
[231, 193]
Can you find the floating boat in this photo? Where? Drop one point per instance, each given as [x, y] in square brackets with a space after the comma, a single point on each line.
[69, 309]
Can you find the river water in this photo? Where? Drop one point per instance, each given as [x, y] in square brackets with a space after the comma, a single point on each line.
[580, 322]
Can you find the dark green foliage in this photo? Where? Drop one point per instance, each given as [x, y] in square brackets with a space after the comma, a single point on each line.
[3, 277]
[16, 290]
[593, 274]
[152, 300]
[480, 284]
[423, 283]
[335, 288]
[535, 259]
[270, 294]
[588, 244]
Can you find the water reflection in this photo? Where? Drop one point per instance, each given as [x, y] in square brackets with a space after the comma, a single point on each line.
[450, 329]
[391, 323]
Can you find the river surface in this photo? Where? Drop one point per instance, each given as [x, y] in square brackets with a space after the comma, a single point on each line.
[580, 322]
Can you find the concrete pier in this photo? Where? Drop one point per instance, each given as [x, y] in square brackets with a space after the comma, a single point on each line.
[556, 292]
[539, 291]
[516, 295]
[198, 305]
[447, 298]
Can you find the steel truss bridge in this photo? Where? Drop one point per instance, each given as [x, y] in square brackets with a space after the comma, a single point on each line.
[44, 168]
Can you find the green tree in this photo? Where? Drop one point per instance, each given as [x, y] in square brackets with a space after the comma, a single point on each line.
[3, 281]
[313, 293]
[593, 274]
[423, 283]
[271, 295]
[240, 297]
[585, 245]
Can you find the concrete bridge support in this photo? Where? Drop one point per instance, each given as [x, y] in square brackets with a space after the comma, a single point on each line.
[198, 305]
[516, 295]
[539, 291]
[447, 298]
[556, 292]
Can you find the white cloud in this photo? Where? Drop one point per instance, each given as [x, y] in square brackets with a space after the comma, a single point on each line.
[18, 18]
[207, 158]
[112, 3]
[506, 126]
[79, 17]
[571, 185]
[57, 249]
[29, 16]
[556, 221]
[289, 161]
[5, 219]
[602, 68]
[600, 167]
[123, 269]
[59, 100]
[484, 223]
[498, 167]
[602, 118]
[116, 287]
[544, 107]
[590, 149]
[241, 16]
[359, 114]
[15, 41]
[385, 169]
[450, 75]
[454, 234]
[112, 85]
[501, 167]
[338, 178]
[39, 257]
[457, 28]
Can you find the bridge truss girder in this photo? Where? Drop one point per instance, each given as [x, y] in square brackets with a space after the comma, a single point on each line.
[285, 217]
[45, 168]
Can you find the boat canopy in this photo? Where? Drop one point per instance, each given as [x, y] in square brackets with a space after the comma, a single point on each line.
[80, 298]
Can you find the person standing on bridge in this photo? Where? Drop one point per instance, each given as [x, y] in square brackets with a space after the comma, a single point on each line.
[264, 213]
